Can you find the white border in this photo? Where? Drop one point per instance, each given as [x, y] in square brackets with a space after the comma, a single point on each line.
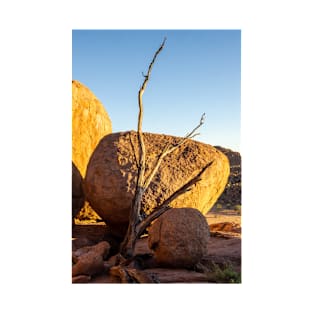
[36, 151]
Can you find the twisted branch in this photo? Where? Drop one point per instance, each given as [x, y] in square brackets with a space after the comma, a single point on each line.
[127, 246]
[170, 148]
[142, 167]
[165, 205]
[136, 227]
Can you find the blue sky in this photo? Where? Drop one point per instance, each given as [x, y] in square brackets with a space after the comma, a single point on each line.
[197, 71]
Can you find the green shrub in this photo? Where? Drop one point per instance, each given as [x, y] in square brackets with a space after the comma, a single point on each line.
[227, 274]
[237, 208]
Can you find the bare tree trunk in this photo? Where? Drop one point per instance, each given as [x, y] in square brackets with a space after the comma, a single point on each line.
[136, 227]
[127, 246]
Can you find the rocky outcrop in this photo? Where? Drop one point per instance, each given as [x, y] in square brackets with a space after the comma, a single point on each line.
[90, 122]
[179, 237]
[78, 198]
[233, 156]
[231, 197]
[112, 173]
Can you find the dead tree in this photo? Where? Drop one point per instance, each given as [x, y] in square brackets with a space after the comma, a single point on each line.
[137, 225]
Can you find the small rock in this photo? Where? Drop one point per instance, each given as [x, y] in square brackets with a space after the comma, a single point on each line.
[81, 279]
[179, 237]
[226, 227]
[90, 260]
[78, 243]
[79, 252]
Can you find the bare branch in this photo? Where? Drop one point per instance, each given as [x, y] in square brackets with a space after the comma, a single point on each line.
[165, 205]
[198, 126]
[142, 167]
[143, 86]
[120, 272]
[168, 149]
[140, 276]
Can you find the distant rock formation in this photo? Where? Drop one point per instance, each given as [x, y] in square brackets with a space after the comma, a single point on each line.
[233, 156]
[231, 196]
[90, 122]
[111, 176]
[179, 237]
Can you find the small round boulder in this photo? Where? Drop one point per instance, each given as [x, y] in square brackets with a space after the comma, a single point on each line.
[179, 237]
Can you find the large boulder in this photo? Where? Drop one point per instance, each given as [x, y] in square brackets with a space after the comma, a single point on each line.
[179, 237]
[90, 122]
[78, 198]
[111, 176]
